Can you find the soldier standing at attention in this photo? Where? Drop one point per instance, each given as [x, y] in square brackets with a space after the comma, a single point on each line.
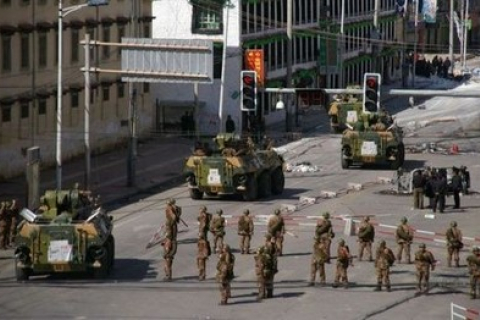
[424, 261]
[454, 244]
[3, 226]
[404, 237]
[217, 228]
[204, 219]
[473, 262]
[172, 218]
[245, 231]
[202, 256]
[319, 257]
[324, 232]
[344, 259]
[384, 259]
[225, 266]
[366, 235]
[265, 268]
[14, 216]
[169, 251]
[276, 229]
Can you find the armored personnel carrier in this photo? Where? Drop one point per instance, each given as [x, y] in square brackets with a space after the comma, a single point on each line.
[372, 140]
[67, 233]
[235, 166]
[346, 108]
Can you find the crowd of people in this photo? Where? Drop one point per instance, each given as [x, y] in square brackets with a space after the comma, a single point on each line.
[437, 66]
[266, 257]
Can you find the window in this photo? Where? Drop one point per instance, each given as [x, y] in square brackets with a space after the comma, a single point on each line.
[74, 100]
[106, 38]
[75, 45]
[24, 51]
[42, 2]
[6, 53]
[91, 32]
[42, 106]
[24, 109]
[207, 17]
[42, 49]
[105, 93]
[146, 30]
[93, 92]
[6, 113]
[217, 61]
[121, 90]
[121, 34]
[146, 87]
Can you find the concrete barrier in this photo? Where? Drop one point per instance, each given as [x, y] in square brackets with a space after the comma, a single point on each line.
[354, 186]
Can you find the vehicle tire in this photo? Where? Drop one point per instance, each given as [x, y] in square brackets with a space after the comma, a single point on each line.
[252, 189]
[111, 252]
[265, 185]
[21, 274]
[196, 194]
[102, 272]
[277, 181]
[345, 162]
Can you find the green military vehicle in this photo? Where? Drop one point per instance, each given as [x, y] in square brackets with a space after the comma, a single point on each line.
[345, 109]
[372, 141]
[67, 233]
[235, 166]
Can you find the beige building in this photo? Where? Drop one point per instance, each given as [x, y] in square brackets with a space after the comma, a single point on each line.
[28, 78]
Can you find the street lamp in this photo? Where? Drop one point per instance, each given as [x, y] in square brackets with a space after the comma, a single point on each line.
[63, 12]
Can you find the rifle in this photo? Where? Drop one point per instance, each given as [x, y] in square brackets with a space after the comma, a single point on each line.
[156, 238]
[184, 223]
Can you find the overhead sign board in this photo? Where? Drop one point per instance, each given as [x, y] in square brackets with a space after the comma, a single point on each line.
[167, 60]
[255, 61]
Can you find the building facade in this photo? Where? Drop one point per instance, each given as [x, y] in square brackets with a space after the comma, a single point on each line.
[262, 24]
[28, 78]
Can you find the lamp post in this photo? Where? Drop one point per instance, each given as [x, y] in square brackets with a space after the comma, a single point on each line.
[63, 12]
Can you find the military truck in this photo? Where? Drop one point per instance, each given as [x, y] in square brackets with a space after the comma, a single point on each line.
[67, 233]
[234, 166]
[372, 140]
[346, 108]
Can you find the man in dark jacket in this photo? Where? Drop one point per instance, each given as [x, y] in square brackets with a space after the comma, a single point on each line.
[440, 190]
[418, 190]
[456, 187]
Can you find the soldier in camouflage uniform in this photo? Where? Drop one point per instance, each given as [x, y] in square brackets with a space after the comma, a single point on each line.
[265, 268]
[366, 235]
[202, 256]
[3, 226]
[276, 229]
[473, 262]
[14, 217]
[384, 259]
[204, 219]
[225, 267]
[245, 231]
[454, 244]
[172, 218]
[344, 259]
[169, 251]
[424, 262]
[324, 232]
[217, 228]
[319, 257]
[404, 236]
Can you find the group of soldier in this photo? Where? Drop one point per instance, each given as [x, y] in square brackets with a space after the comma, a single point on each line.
[9, 215]
[266, 256]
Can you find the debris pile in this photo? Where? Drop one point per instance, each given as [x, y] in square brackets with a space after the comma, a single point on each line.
[303, 166]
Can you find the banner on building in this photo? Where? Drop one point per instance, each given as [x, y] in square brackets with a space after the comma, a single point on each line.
[429, 11]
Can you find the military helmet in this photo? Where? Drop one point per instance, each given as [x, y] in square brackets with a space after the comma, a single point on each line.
[475, 249]
[201, 235]
[268, 237]
[383, 243]
[453, 223]
[404, 220]
[246, 211]
[220, 212]
[422, 246]
[277, 211]
[366, 218]
[203, 209]
[341, 242]
[226, 247]
[170, 201]
[326, 215]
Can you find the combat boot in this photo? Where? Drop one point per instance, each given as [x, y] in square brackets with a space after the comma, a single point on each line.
[335, 285]
[449, 263]
[457, 264]
[270, 293]
[311, 284]
[378, 287]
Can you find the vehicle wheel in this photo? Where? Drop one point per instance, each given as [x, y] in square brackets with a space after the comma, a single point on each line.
[345, 162]
[398, 162]
[265, 185]
[111, 252]
[20, 273]
[277, 181]
[211, 194]
[102, 272]
[196, 194]
[252, 189]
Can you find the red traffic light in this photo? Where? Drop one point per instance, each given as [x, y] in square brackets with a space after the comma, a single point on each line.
[248, 80]
[371, 83]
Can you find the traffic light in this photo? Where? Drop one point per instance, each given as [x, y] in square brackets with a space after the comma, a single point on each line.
[248, 90]
[371, 92]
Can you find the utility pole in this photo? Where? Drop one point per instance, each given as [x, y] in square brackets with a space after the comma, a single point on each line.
[224, 62]
[465, 30]
[340, 46]
[289, 61]
[450, 36]
[376, 36]
[86, 117]
[415, 3]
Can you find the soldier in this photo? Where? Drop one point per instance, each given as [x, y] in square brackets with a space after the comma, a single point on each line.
[3, 226]
[217, 228]
[319, 257]
[276, 229]
[172, 218]
[424, 261]
[204, 219]
[202, 256]
[324, 232]
[265, 268]
[404, 237]
[454, 243]
[366, 235]
[225, 267]
[169, 251]
[384, 259]
[344, 259]
[473, 262]
[14, 216]
[245, 231]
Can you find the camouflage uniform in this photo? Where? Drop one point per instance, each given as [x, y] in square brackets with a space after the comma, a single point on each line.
[404, 236]
[424, 261]
[14, 217]
[473, 262]
[245, 231]
[454, 244]
[217, 228]
[343, 261]
[225, 266]
[324, 232]
[202, 256]
[366, 235]
[172, 213]
[265, 268]
[169, 251]
[319, 257]
[276, 229]
[384, 259]
[204, 219]
[3, 226]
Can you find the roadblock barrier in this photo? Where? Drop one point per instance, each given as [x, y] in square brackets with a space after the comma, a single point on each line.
[354, 186]
[459, 312]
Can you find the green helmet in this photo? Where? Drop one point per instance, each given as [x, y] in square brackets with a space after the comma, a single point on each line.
[366, 219]
[404, 220]
[170, 201]
[203, 209]
[341, 242]
[326, 215]
[476, 250]
[219, 212]
[383, 243]
[453, 223]
[246, 211]
[422, 246]
[268, 237]
[277, 211]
